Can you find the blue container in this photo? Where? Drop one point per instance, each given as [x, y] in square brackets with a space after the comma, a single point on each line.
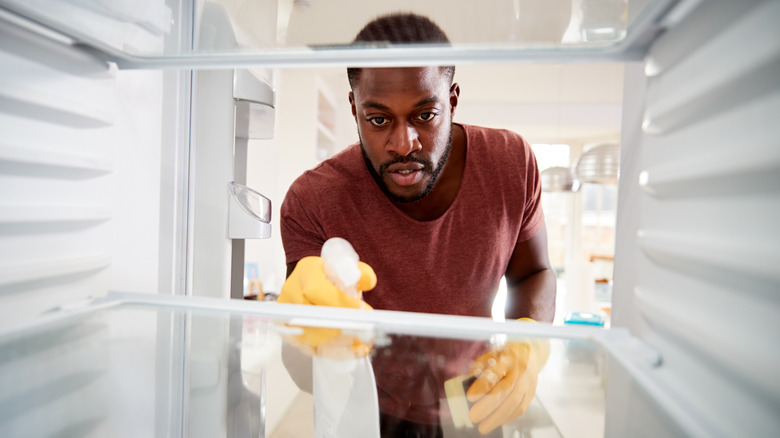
[584, 318]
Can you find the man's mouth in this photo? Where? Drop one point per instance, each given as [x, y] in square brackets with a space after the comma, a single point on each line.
[404, 172]
[406, 177]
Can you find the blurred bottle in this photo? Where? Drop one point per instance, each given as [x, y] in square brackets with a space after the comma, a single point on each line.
[341, 265]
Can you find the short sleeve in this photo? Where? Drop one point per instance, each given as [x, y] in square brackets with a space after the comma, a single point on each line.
[533, 216]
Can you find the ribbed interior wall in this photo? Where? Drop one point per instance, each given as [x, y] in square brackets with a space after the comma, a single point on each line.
[80, 151]
[699, 270]
[80, 148]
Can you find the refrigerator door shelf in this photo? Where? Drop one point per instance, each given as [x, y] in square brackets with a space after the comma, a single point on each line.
[250, 213]
[254, 121]
[254, 106]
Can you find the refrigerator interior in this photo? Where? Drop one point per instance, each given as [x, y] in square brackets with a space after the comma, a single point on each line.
[150, 365]
[101, 176]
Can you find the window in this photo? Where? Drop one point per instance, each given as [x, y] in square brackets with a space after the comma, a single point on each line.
[580, 235]
[556, 205]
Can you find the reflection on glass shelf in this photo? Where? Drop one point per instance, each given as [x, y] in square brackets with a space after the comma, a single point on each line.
[151, 370]
[159, 29]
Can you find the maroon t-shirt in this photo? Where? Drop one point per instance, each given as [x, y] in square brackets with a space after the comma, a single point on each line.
[450, 265]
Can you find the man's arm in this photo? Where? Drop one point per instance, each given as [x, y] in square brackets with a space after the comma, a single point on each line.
[530, 294]
[531, 282]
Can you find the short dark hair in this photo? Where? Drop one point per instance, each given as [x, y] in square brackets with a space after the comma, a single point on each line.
[401, 28]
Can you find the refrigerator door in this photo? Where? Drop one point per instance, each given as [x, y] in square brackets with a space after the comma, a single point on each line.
[159, 33]
[142, 365]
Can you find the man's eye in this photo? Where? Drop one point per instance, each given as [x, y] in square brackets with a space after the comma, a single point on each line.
[377, 121]
[426, 117]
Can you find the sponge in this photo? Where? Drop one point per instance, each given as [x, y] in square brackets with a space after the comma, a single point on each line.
[456, 389]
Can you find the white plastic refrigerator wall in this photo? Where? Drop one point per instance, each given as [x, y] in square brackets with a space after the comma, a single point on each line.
[697, 238]
[81, 181]
[97, 193]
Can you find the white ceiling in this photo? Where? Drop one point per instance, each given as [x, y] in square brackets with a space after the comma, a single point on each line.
[571, 103]
[469, 21]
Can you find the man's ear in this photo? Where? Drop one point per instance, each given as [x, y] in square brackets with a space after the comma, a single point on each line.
[454, 95]
[352, 104]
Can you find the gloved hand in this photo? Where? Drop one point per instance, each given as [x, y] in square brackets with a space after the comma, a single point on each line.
[505, 382]
[308, 284]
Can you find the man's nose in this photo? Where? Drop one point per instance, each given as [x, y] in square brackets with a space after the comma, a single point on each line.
[404, 140]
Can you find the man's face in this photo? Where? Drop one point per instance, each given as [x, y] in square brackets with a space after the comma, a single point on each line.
[404, 120]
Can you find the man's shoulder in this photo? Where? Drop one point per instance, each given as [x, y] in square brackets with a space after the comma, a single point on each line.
[496, 143]
[474, 132]
[331, 173]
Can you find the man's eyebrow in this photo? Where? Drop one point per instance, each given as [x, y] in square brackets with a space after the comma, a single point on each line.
[426, 101]
[377, 105]
[383, 107]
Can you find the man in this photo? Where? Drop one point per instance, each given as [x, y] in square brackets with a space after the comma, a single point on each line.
[441, 211]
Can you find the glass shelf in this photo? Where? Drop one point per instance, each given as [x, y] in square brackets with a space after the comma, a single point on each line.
[143, 365]
[230, 34]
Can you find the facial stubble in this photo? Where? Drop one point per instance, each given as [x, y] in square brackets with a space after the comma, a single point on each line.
[427, 168]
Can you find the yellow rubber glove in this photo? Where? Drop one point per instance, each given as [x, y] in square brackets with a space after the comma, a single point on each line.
[505, 382]
[308, 284]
